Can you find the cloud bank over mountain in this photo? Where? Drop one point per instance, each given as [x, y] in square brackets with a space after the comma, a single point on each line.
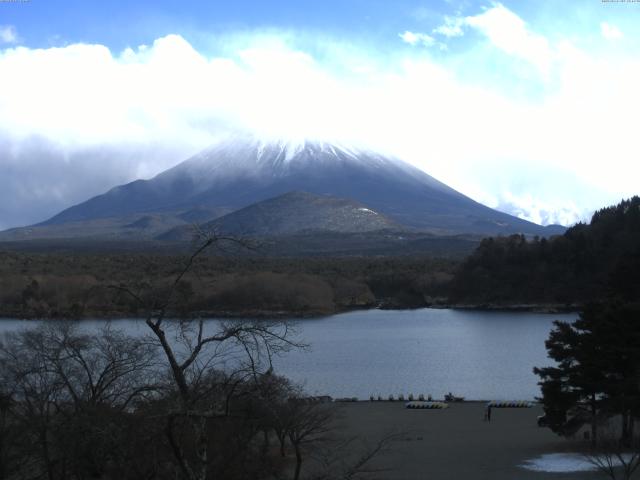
[540, 125]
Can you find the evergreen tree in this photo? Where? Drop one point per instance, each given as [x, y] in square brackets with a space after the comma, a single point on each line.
[598, 369]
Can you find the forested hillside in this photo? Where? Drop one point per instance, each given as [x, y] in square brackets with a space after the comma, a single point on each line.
[596, 260]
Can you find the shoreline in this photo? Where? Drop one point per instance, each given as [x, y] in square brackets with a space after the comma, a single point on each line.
[543, 308]
[515, 307]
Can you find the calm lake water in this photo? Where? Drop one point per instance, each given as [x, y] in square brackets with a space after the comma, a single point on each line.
[477, 354]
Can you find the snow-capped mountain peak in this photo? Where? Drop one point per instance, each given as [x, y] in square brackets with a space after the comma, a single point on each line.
[241, 171]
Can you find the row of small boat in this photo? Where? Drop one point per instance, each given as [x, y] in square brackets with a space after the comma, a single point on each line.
[492, 404]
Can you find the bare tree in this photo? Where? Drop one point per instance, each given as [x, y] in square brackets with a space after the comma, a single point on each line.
[308, 423]
[11, 437]
[194, 348]
[336, 465]
[614, 457]
[63, 384]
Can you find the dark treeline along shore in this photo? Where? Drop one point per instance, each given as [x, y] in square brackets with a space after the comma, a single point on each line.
[63, 285]
[596, 260]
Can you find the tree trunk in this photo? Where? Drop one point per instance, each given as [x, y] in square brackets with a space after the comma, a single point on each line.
[296, 475]
[594, 422]
[177, 451]
[202, 446]
[627, 430]
[266, 443]
[45, 453]
[178, 373]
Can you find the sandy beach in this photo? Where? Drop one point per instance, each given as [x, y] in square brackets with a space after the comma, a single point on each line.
[456, 443]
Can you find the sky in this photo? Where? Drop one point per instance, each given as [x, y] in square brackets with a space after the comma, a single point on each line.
[528, 107]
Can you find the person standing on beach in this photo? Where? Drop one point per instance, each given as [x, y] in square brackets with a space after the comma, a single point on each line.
[487, 413]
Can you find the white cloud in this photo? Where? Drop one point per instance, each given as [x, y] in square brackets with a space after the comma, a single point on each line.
[452, 27]
[414, 39]
[610, 32]
[530, 206]
[8, 34]
[509, 33]
[506, 32]
[572, 145]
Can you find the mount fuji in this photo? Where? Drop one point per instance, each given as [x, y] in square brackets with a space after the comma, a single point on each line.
[243, 171]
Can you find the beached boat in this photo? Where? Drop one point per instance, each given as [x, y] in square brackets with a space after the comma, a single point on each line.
[450, 397]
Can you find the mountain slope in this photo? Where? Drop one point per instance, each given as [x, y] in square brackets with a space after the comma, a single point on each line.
[243, 171]
[294, 213]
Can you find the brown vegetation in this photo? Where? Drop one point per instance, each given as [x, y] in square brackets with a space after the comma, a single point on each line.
[77, 285]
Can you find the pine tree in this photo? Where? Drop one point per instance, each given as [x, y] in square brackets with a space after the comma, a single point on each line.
[598, 369]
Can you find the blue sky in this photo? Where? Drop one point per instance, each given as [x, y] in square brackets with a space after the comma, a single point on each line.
[119, 23]
[528, 107]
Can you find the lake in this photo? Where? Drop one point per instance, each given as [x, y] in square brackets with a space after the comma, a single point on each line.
[478, 354]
